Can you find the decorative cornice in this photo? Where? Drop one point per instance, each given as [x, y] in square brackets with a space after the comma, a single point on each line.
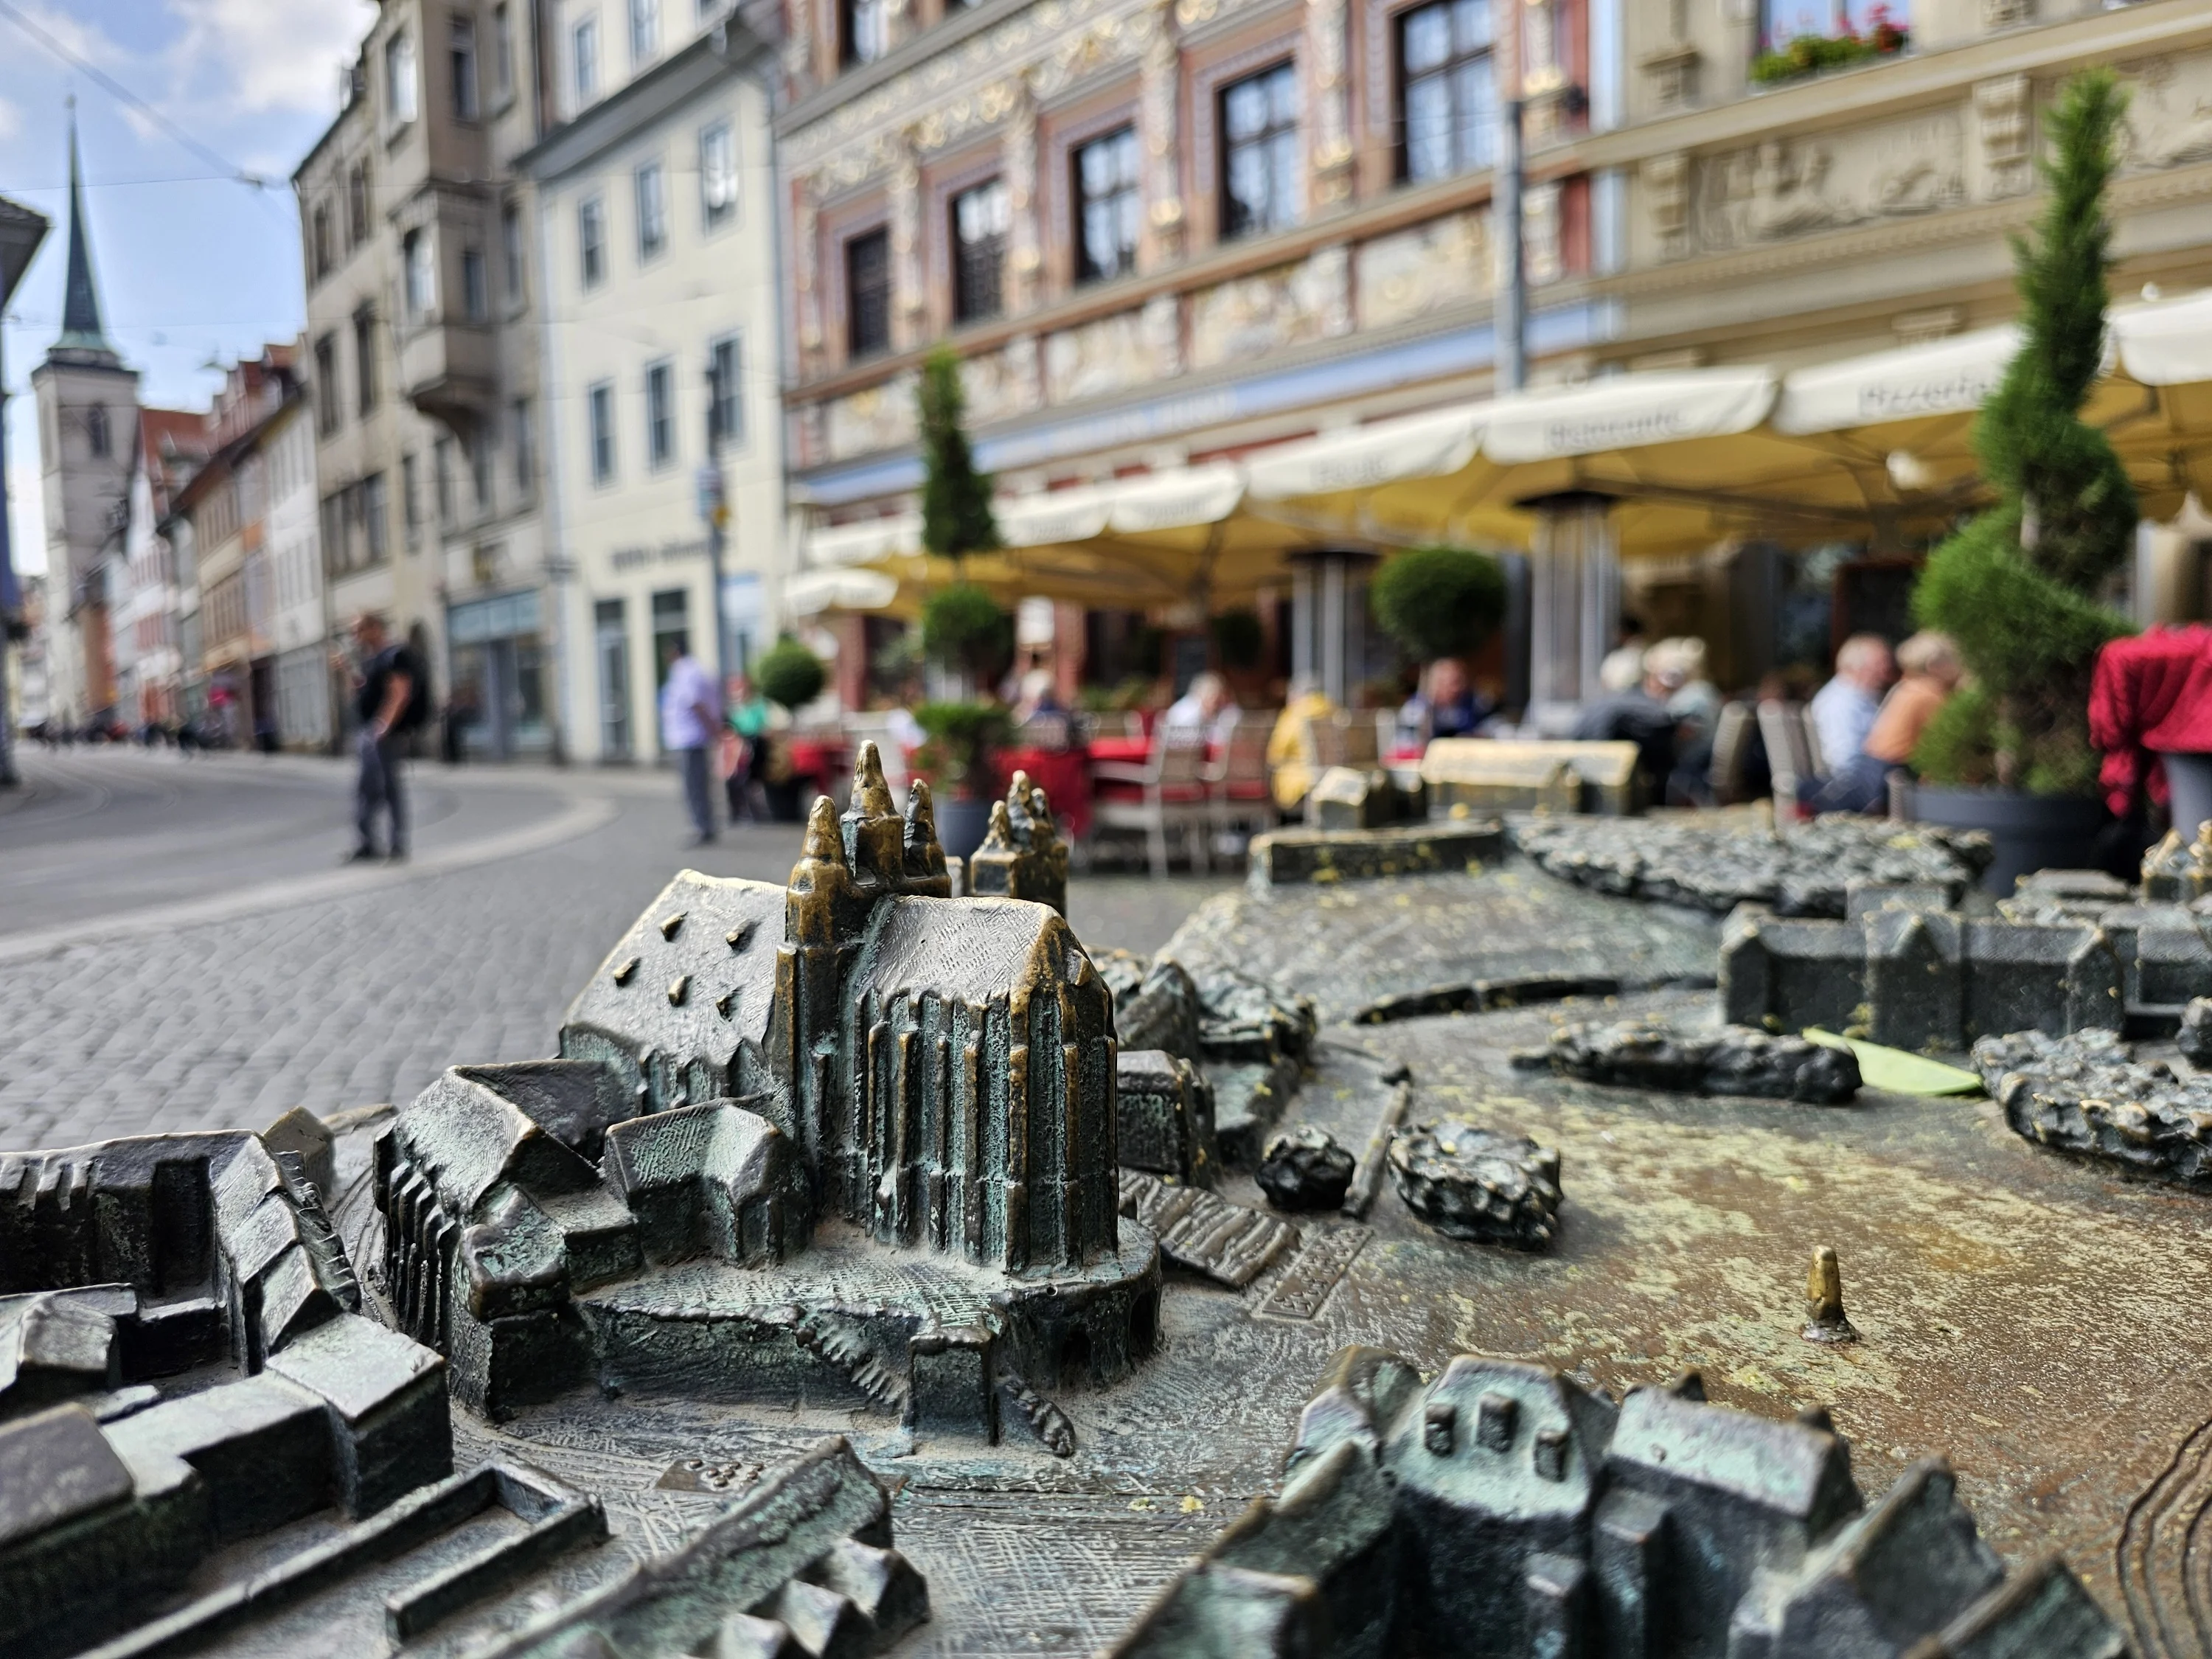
[1984, 223]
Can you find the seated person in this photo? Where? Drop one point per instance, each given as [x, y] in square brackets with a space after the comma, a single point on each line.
[1449, 707]
[1842, 710]
[1639, 716]
[1932, 673]
[1039, 717]
[1289, 772]
[1205, 712]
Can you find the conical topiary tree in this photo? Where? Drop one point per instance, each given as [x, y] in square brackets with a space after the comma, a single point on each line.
[956, 499]
[2016, 588]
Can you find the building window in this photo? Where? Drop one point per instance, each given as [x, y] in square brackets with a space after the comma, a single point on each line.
[441, 481]
[399, 90]
[318, 241]
[476, 285]
[717, 174]
[863, 29]
[1447, 94]
[610, 635]
[502, 52]
[644, 31]
[868, 294]
[357, 205]
[421, 274]
[510, 251]
[659, 415]
[522, 417]
[599, 406]
[410, 496]
[364, 359]
[584, 59]
[1259, 161]
[462, 56]
[95, 431]
[592, 240]
[651, 211]
[374, 518]
[1781, 22]
[726, 421]
[1108, 207]
[326, 385]
[980, 219]
[480, 447]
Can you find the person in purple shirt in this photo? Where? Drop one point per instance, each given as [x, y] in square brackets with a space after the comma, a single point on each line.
[690, 719]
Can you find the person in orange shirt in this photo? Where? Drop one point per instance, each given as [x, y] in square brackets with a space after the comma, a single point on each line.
[1931, 670]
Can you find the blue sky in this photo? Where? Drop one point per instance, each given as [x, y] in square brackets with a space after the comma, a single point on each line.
[192, 268]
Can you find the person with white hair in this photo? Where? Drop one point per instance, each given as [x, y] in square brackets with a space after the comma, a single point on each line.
[1205, 712]
[1932, 673]
[1842, 710]
[1695, 701]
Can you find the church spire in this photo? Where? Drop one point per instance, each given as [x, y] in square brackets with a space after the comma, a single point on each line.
[82, 329]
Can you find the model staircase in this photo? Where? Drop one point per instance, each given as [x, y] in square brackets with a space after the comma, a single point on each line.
[838, 1344]
[855, 1602]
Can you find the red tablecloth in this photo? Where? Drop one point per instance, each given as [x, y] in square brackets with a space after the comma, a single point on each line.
[815, 758]
[1132, 752]
[1064, 775]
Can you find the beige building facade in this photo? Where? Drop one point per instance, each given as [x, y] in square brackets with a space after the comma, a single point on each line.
[657, 246]
[422, 359]
[1163, 232]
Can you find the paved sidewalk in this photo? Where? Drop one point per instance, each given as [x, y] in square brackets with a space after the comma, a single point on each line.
[367, 994]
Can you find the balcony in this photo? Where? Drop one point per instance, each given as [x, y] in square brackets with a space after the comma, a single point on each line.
[449, 370]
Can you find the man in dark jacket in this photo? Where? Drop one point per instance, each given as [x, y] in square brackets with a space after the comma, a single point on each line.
[388, 692]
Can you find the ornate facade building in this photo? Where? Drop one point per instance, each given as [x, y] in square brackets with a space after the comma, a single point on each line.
[1162, 233]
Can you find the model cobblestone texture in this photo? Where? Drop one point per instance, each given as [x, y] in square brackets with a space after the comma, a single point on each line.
[627, 1188]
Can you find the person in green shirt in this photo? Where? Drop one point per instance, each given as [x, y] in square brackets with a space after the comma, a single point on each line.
[746, 744]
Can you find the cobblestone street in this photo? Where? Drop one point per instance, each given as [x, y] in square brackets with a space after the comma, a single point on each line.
[179, 948]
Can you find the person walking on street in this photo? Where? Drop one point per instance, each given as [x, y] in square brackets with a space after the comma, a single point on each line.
[691, 719]
[389, 698]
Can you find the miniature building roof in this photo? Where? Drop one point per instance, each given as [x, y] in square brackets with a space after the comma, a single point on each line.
[1789, 1469]
[718, 937]
[480, 1125]
[970, 949]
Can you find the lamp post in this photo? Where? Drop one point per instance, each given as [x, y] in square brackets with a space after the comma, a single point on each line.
[1510, 311]
[715, 508]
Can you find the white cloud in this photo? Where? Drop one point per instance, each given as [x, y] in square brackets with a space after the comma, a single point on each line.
[266, 58]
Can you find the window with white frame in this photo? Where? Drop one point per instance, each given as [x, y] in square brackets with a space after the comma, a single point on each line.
[463, 56]
[1261, 166]
[502, 50]
[476, 286]
[659, 415]
[726, 420]
[981, 219]
[591, 240]
[1446, 89]
[600, 413]
[419, 258]
[651, 211]
[1781, 22]
[717, 174]
[510, 250]
[584, 60]
[644, 31]
[522, 421]
[401, 103]
[1109, 206]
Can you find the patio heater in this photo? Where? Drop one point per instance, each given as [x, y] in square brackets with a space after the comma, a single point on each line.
[1574, 603]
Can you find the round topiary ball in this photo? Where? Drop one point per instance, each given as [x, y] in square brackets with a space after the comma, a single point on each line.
[1439, 601]
[790, 674]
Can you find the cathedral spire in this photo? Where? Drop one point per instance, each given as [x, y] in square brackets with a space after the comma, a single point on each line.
[82, 329]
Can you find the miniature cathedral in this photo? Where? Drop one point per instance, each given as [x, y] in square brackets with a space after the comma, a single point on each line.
[950, 1063]
[902, 1072]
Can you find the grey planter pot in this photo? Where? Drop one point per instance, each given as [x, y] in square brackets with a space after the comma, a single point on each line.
[961, 826]
[2031, 832]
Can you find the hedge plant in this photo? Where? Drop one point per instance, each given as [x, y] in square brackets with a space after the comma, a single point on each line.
[2017, 587]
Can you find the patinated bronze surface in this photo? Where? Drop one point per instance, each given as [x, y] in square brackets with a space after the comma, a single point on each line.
[713, 1230]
